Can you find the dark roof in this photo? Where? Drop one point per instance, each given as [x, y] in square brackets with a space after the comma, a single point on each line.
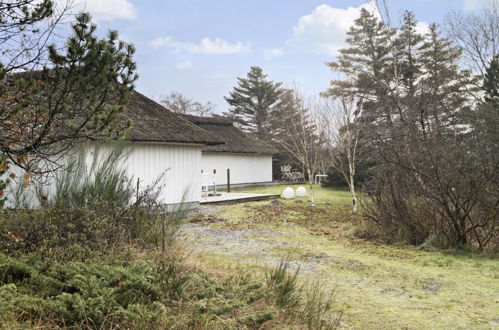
[154, 123]
[235, 140]
[151, 121]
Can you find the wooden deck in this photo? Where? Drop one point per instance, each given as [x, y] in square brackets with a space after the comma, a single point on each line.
[230, 198]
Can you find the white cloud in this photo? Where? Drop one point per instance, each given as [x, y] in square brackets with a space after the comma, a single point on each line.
[324, 30]
[185, 65]
[478, 4]
[273, 52]
[104, 10]
[160, 41]
[216, 46]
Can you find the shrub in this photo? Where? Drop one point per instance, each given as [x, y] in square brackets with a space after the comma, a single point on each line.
[92, 294]
[94, 206]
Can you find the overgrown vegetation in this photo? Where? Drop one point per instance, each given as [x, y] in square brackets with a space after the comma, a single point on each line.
[377, 285]
[434, 166]
[100, 253]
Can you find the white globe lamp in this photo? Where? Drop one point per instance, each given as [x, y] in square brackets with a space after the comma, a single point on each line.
[288, 193]
[301, 192]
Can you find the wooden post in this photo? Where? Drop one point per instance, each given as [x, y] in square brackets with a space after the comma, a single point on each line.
[228, 180]
[215, 184]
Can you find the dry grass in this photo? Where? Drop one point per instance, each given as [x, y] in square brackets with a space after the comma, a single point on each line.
[377, 286]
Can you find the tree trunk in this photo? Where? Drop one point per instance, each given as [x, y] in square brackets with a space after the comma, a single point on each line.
[351, 185]
[312, 190]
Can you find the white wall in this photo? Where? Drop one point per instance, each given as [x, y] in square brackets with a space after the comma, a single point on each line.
[244, 168]
[182, 163]
[147, 161]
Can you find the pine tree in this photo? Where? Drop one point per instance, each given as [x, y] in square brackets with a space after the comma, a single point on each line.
[412, 97]
[406, 54]
[253, 102]
[367, 65]
[491, 83]
[486, 119]
[443, 85]
[78, 95]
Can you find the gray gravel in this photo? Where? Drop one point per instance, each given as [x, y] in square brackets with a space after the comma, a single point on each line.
[249, 245]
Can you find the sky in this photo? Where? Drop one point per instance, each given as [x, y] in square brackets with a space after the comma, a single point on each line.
[200, 47]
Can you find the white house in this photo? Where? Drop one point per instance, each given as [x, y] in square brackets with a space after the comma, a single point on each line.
[248, 159]
[160, 141]
[183, 147]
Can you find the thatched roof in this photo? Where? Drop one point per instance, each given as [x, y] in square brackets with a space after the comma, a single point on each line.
[154, 123]
[235, 140]
[151, 121]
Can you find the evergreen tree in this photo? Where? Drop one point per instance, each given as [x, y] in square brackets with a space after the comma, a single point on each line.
[442, 88]
[412, 97]
[406, 46]
[486, 119]
[366, 64]
[253, 101]
[78, 95]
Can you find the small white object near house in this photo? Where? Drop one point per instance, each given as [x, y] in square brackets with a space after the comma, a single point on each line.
[288, 193]
[301, 192]
[207, 180]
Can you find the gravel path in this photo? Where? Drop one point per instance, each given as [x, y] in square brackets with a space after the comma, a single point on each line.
[254, 245]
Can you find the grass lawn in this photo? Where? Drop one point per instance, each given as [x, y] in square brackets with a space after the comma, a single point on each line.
[377, 286]
[322, 195]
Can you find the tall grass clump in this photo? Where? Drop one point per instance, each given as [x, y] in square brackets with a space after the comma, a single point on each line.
[308, 301]
[285, 284]
[94, 177]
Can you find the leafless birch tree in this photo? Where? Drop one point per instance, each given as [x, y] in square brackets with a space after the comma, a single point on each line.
[342, 133]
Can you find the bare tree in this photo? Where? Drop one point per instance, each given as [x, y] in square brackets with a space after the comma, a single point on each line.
[477, 34]
[181, 104]
[27, 27]
[300, 136]
[342, 132]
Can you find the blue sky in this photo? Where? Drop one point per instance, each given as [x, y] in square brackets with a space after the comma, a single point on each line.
[199, 47]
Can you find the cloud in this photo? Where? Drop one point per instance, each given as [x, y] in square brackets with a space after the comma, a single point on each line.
[324, 30]
[478, 4]
[105, 10]
[160, 41]
[215, 46]
[185, 65]
[273, 52]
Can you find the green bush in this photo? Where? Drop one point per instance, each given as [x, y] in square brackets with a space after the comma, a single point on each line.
[93, 294]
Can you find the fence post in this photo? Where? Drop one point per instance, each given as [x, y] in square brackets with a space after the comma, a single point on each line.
[228, 180]
[215, 184]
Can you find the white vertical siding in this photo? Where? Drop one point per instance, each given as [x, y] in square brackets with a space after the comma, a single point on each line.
[181, 163]
[147, 161]
[244, 168]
